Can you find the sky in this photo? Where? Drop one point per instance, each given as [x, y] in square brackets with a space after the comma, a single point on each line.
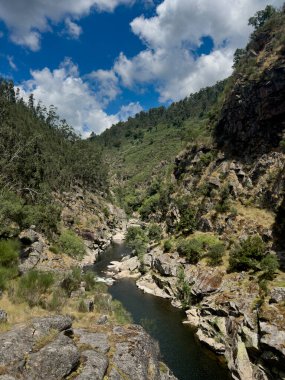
[102, 61]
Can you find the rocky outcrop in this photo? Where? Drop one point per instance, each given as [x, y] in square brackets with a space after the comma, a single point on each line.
[49, 349]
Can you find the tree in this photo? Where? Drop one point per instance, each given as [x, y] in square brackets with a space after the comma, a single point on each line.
[238, 55]
[261, 17]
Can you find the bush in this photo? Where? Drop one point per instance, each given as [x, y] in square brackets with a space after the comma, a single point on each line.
[184, 288]
[89, 279]
[154, 232]
[7, 274]
[188, 222]
[192, 249]
[72, 281]
[216, 253]
[33, 286]
[71, 244]
[137, 240]
[269, 265]
[44, 217]
[248, 254]
[9, 253]
[167, 246]
[149, 206]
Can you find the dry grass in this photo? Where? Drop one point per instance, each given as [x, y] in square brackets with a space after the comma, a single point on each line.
[256, 215]
[46, 339]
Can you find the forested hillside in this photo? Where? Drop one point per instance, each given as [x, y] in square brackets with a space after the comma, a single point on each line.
[40, 155]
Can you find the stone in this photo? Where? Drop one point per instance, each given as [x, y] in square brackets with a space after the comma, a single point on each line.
[3, 316]
[54, 361]
[214, 182]
[193, 318]
[94, 366]
[277, 295]
[211, 343]
[28, 236]
[96, 341]
[102, 320]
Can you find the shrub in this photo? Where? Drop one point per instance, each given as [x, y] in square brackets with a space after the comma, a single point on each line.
[72, 281]
[248, 254]
[45, 217]
[149, 206]
[167, 246]
[33, 285]
[224, 203]
[7, 274]
[9, 253]
[89, 279]
[57, 300]
[269, 265]
[184, 288]
[187, 223]
[154, 232]
[71, 244]
[137, 240]
[192, 249]
[215, 254]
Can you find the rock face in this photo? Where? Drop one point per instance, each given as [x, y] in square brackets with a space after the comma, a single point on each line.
[49, 349]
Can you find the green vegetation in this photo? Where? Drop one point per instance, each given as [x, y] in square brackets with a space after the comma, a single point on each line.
[71, 244]
[167, 245]
[155, 232]
[184, 288]
[269, 265]
[40, 155]
[9, 257]
[137, 240]
[247, 254]
[33, 286]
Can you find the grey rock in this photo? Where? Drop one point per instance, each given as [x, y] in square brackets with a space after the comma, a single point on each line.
[277, 295]
[94, 367]
[102, 320]
[3, 316]
[54, 361]
[96, 341]
[29, 236]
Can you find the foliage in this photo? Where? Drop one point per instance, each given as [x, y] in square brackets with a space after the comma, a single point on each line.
[137, 240]
[71, 281]
[9, 257]
[224, 203]
[167, 245]
[9, 253]
[247, 254]
[269, 265]
[71, 244]
[154, 232]
[187, 223]
[33, 285]
[216, 253]
[259, 19]
[149, 206]
[192, 249]
[184, 288]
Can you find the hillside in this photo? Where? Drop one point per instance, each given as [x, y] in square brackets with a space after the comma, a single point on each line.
[212, 240]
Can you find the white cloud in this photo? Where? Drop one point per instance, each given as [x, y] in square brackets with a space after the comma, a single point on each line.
[11, 62]
[174, 32]
[106, 85]
[129, 110]
[72, 96]
[27, 19]
[75, 99]
[72, 29]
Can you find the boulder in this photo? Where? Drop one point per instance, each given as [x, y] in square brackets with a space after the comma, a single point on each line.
[96, 341]
[3, 316]
[95, 365]
[277, 295]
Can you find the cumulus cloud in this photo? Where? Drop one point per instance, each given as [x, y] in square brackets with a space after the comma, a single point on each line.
[175, 32]
[129, 110]
[12, 63]
[75, 99]
[27, 19]
[106, 85]
[72, 29]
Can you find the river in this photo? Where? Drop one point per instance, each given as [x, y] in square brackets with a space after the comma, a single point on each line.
[180, 351]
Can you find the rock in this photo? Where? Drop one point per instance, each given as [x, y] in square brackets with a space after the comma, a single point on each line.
[205, 224]
[102, 320]
[3, 316]
[214, 182]
[94, 366]
[243, 368]
[211, 343]
[165, 265]
[29, 236]
[277, 295]
[272, 341]
[96, 341]
[193, 318]
[54, 361]
[136, 357]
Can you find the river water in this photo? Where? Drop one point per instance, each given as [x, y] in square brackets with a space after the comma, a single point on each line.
[179, 349]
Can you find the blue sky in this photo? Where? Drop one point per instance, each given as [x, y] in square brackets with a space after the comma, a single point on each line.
[100, 61]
